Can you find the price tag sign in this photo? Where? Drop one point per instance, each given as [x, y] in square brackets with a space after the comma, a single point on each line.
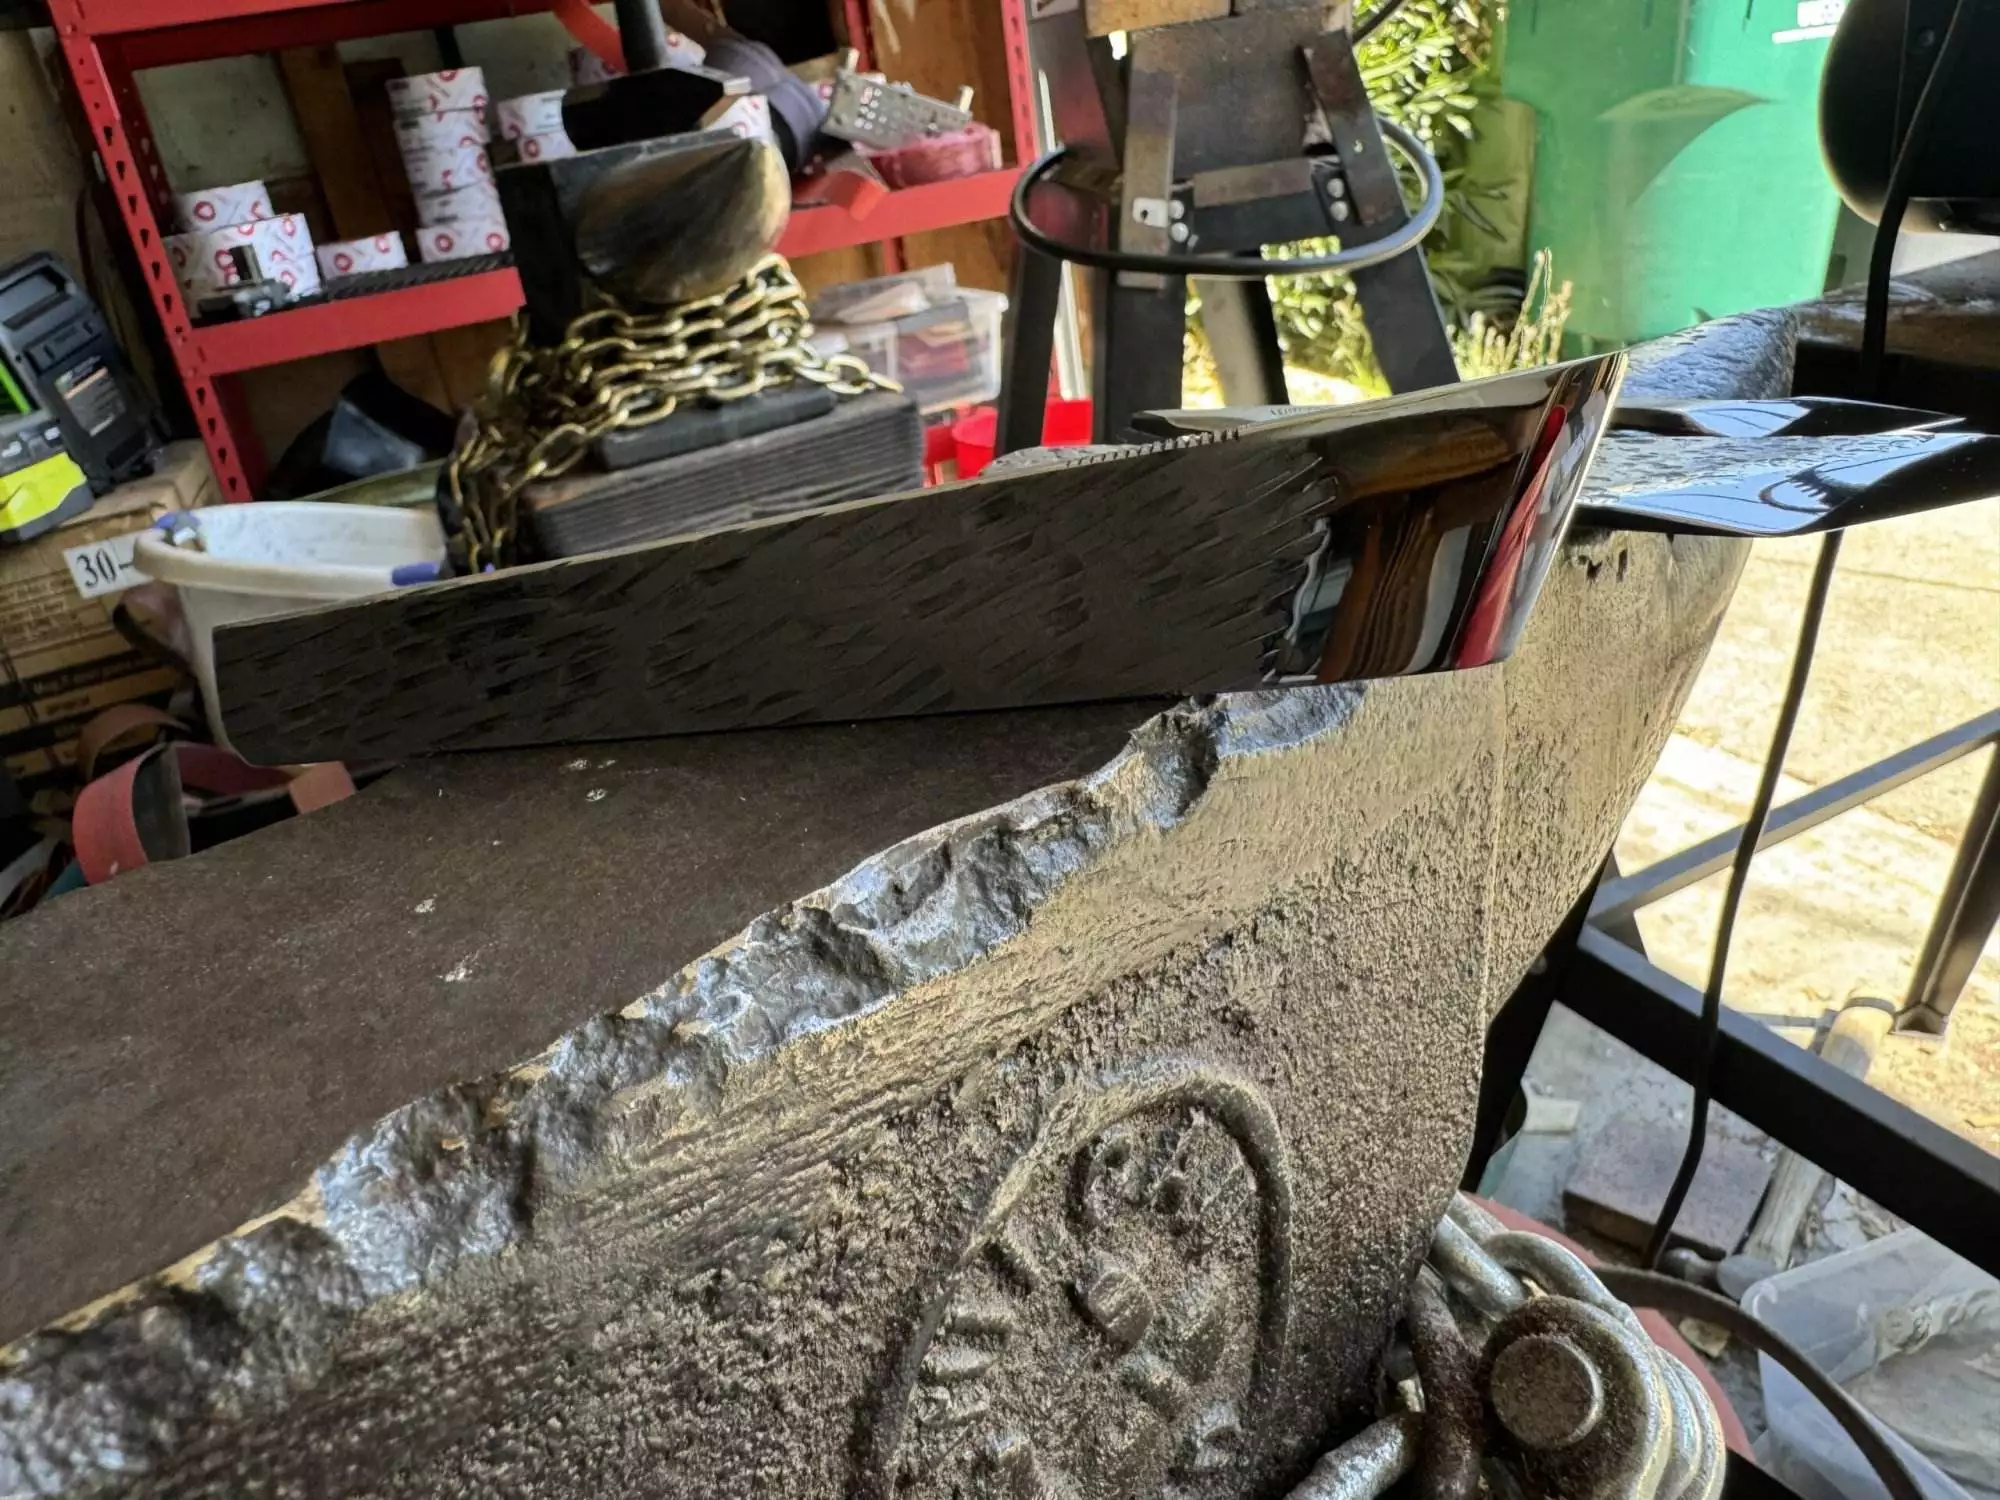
[106, 567]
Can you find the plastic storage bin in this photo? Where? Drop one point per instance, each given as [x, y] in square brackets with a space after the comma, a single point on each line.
[882, 297]
[1903, 1298]
[276, 557]
[944, 356]
[1065, 424]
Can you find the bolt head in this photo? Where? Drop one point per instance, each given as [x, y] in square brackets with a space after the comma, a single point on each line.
[1178, 233]
[1341, 213]
[1546, 1392]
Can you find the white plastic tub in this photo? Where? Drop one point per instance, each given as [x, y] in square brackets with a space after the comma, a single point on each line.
[1907, 1326]
[278, 557]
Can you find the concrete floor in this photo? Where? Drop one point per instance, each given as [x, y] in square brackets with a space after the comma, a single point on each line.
[1911, 646]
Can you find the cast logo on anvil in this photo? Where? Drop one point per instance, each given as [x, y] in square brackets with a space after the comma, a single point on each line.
[1112, 1323]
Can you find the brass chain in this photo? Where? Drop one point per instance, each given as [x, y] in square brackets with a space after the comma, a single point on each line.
[544, 407]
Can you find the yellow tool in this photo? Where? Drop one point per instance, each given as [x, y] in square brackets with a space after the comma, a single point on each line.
[41, 496]
[74, 422]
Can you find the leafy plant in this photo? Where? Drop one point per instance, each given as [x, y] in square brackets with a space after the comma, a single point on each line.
[1529, 335]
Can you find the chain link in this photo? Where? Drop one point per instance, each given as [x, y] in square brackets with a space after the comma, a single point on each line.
[616, 369]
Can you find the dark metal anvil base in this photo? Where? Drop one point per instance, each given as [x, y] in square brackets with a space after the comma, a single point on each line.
[1084, 1142]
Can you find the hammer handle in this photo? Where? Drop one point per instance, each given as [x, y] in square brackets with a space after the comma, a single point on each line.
[644, 35]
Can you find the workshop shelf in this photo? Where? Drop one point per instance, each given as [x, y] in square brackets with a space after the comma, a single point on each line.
[357, 322]
[106, 42]
[410, 312]
[913, 210]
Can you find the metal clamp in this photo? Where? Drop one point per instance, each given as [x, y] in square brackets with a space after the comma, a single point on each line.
[1555, 1383]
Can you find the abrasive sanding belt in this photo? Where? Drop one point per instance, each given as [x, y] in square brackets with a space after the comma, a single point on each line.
[962, 153]
[125, 819]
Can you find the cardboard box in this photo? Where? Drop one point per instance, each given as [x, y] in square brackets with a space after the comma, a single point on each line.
[62, 661]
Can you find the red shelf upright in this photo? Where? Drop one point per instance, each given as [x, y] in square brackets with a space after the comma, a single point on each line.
[105, 42]
[124, 144]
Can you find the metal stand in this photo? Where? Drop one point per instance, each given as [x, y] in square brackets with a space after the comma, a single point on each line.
[1034, 300]
[1397, 300]
[1243, 337]
[1945, 1185]
[1139, 331]
[1966, 916]
[1166, 118]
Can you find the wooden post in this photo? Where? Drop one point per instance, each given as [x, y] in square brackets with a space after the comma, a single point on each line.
[331, 125]
[1850, 1046]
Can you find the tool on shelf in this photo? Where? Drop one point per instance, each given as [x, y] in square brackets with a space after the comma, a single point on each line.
[869, 112]
[74, 421]
[651, 223]
[251, 294]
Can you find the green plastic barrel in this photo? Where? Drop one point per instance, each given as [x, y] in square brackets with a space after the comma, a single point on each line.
[1677, 166]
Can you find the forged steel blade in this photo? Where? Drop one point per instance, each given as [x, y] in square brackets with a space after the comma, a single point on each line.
[1740, 468]
[1786, 416]
[1784, 486]
[1406, 536]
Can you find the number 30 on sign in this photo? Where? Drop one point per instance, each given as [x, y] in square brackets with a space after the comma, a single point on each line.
[106, 567]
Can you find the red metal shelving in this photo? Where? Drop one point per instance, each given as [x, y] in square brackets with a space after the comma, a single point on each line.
[105, 42]
[158, 32]
[355, 322]
[935, 205]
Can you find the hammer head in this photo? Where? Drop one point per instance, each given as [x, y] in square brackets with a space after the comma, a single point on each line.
[653, 223]
[645, 106]
[673, 228]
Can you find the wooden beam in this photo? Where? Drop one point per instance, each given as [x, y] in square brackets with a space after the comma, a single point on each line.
[351, 181]
[331, 129]
[1102, 17]
[1850, 1046]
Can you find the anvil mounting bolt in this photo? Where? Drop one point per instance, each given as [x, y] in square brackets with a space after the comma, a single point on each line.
[1546, 1392]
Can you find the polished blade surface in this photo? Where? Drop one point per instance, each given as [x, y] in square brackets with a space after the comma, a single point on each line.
[1783, 486]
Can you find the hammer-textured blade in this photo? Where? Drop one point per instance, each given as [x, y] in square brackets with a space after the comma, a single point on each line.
[1785, 486]
[1411, 535]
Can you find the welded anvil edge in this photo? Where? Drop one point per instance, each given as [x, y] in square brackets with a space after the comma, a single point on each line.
[263, 1308]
